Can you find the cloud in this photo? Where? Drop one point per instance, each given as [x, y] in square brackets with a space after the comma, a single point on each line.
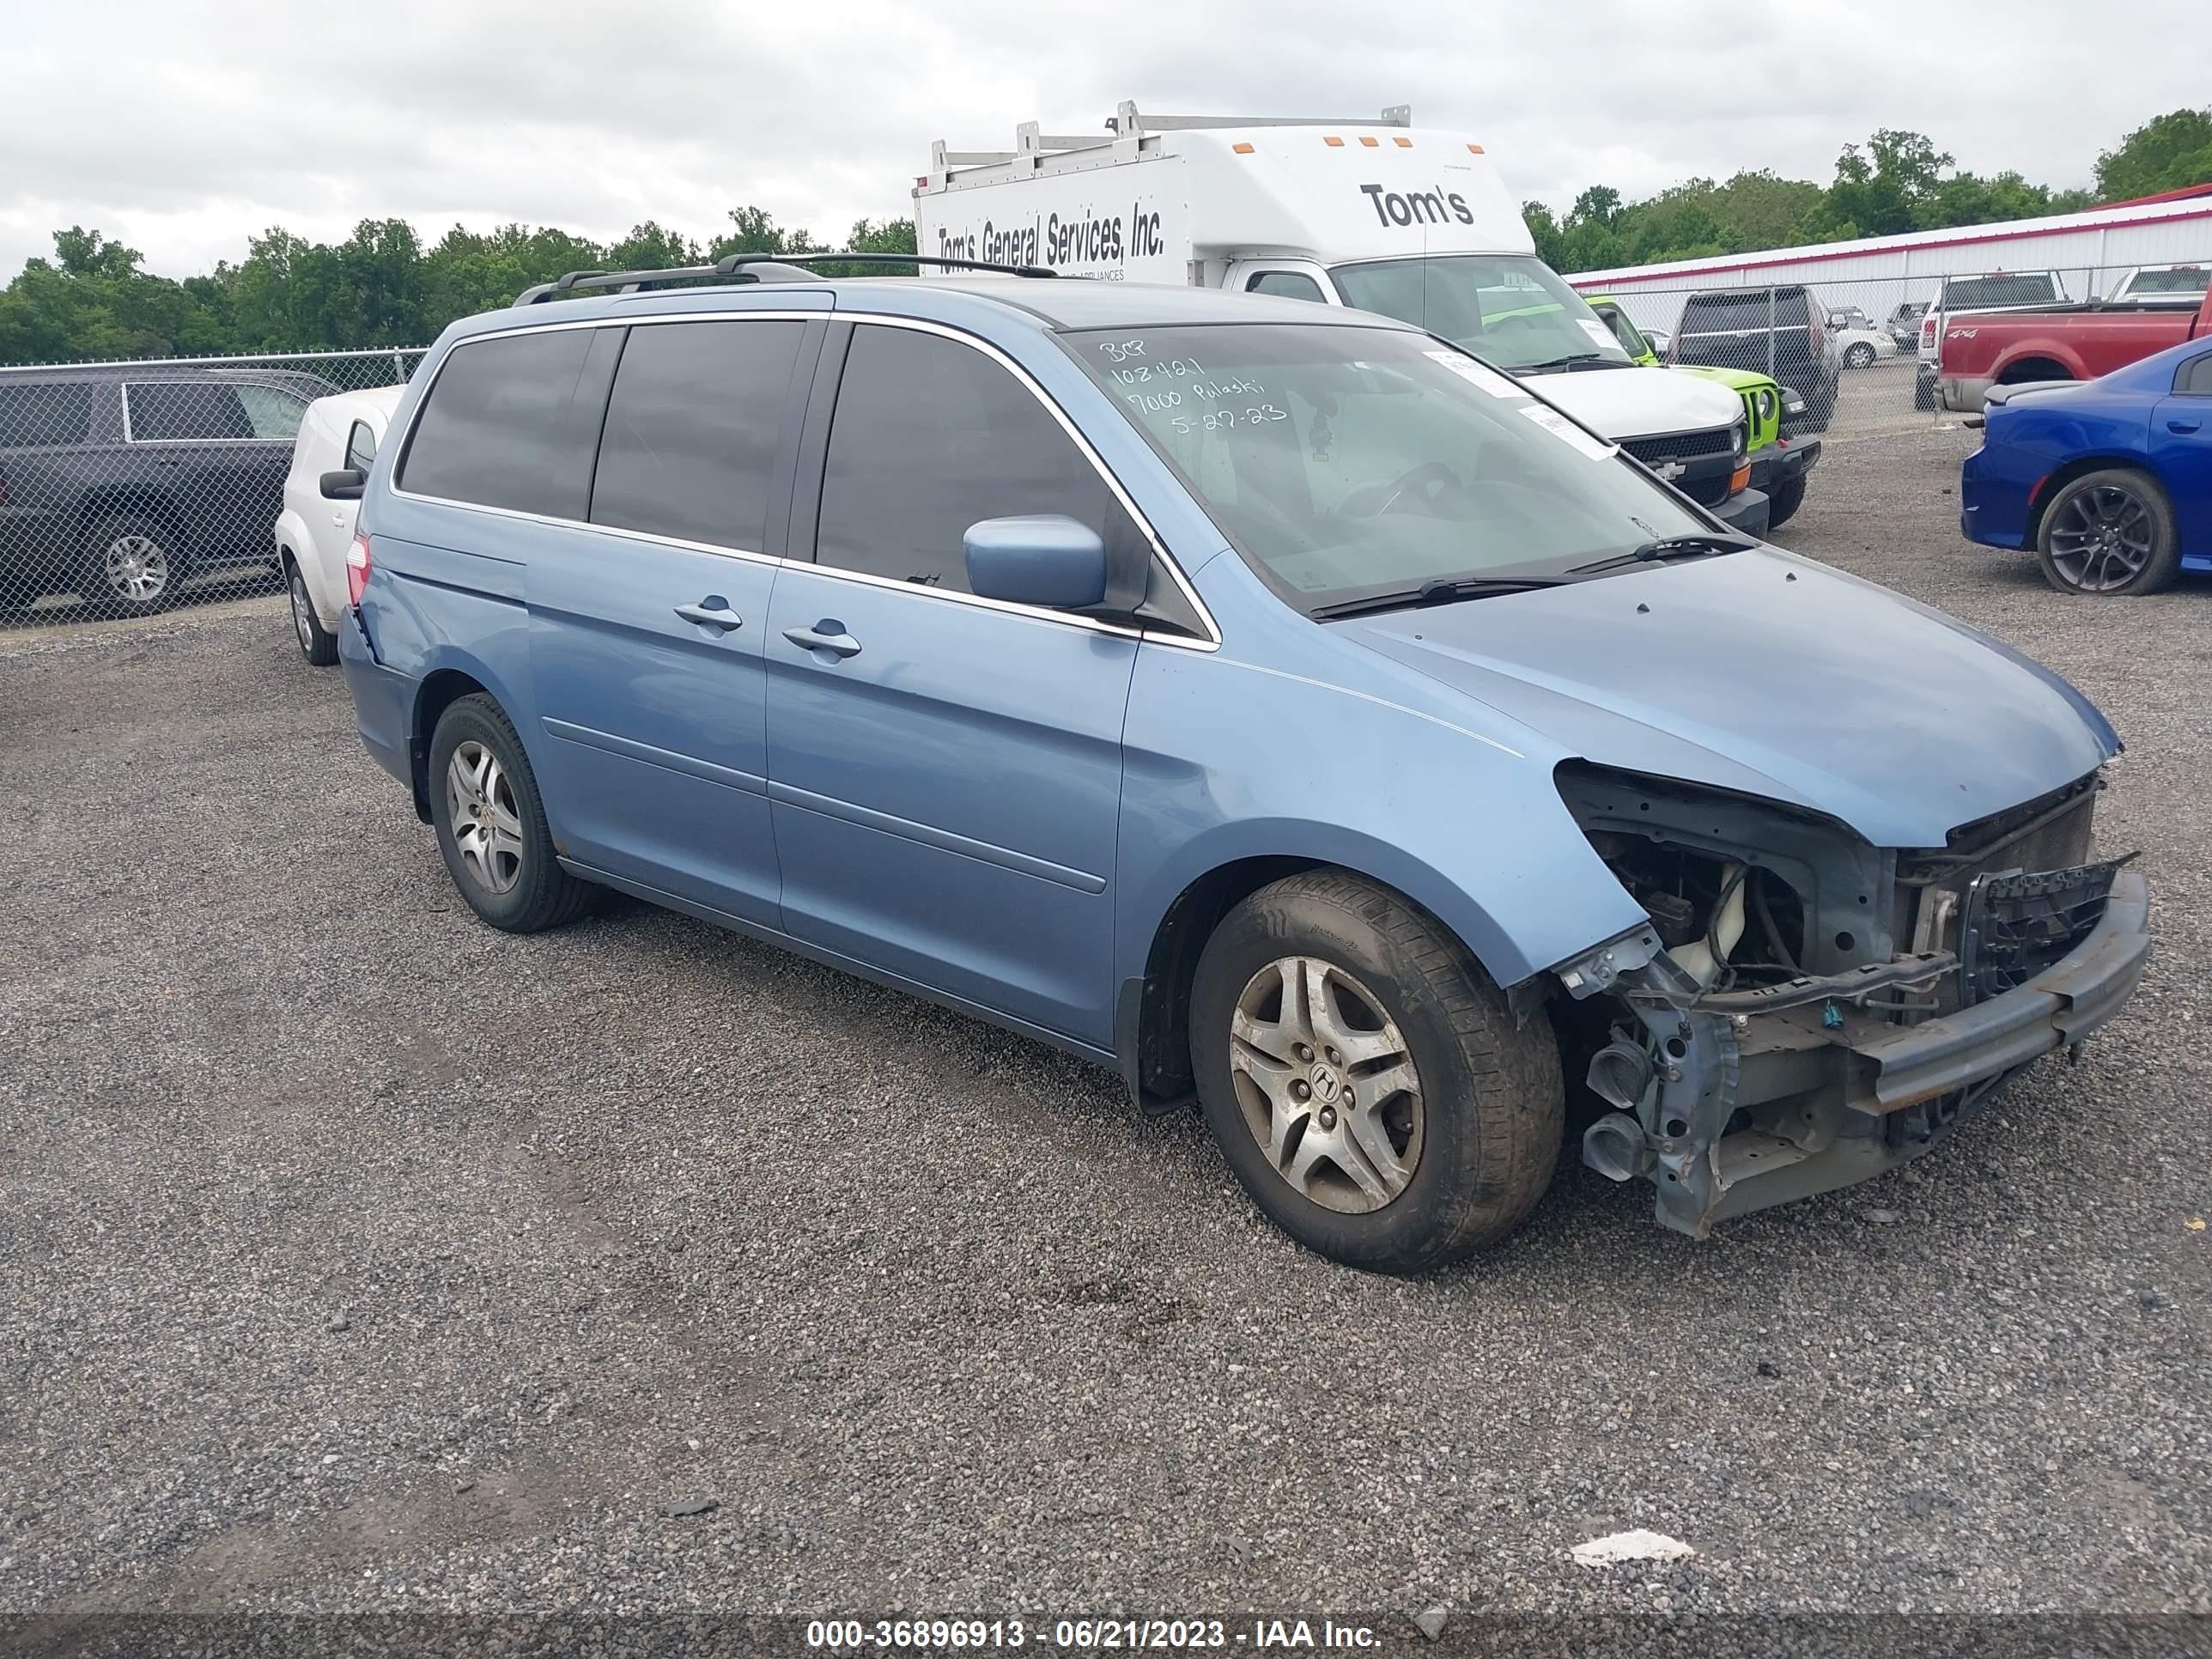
[216, 121]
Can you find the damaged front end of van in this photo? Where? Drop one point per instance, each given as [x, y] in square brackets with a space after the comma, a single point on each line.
[1805, 1009]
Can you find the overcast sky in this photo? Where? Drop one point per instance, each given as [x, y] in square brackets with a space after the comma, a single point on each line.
[182, 128]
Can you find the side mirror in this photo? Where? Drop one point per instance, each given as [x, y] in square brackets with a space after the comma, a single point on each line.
[1658, 339]
[344, 485]
[1047, 560]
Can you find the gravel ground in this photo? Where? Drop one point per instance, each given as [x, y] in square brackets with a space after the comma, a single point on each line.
[354, 1256]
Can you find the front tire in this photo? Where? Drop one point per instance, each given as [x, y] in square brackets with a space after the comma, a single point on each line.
[130, 567]
[317, 643]
[491, 824]
[1859, 356]
[1782, 503]
[1365, 1080]
[2109, 534]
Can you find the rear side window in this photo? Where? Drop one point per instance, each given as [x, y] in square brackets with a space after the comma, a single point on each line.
[184, 411]
[43, 413]
[2022, 290]
[2195, 376]
[500, 428]
[361, 446]
[692, 430]
[273, 414]
[1746, 310]
[1287, 284]
[931, 436]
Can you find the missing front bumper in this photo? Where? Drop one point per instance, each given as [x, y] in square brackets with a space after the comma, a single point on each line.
[1843, 1094]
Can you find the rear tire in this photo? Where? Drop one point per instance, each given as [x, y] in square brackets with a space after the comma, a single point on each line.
[501, 855]
[1436, 1126]
[130, 567]
[2109, 535]
[1782, 503]
[317, 643]
[1859, 356]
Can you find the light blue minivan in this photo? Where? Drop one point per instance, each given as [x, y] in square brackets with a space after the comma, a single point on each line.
[1282, 707]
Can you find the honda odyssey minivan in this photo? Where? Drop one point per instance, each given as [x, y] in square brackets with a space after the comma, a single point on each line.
[1280, 707]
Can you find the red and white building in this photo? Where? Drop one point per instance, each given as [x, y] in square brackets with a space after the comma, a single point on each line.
[1878, 273]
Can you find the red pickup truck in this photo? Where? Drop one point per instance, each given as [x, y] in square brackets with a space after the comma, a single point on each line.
[1983, 348]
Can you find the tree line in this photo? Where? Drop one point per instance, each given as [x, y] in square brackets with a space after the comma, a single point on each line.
[379, 286]
[1896, 182]
[382, 286]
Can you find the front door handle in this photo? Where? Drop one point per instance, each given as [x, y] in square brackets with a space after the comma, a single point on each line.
[715, 615]
[824, 635]
[2183, 426]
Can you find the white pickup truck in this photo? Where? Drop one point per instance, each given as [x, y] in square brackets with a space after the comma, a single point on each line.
[1413, 222]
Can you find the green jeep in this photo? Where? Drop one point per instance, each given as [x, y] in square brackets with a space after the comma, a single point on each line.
[1778, 464]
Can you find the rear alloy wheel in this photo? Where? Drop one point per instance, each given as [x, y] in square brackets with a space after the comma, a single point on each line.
[491, 823]
[2109, 534]
[130, 568]
[317, 643]
[1858, 356]
[1365, 1080]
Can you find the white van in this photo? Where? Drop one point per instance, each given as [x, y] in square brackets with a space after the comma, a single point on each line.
[1413, 222]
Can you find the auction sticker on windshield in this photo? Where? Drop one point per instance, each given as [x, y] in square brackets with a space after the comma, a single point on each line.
[1477, 374]
[1568, 433]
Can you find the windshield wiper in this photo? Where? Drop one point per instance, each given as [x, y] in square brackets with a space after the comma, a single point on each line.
[1444, 590]
[1572, 361]
[1695, 546]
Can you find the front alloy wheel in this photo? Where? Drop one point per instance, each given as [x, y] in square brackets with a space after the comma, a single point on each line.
[1365, 1080]
[1327, 1085]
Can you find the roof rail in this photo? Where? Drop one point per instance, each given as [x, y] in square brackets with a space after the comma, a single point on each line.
[1125, 120]
[751, 267]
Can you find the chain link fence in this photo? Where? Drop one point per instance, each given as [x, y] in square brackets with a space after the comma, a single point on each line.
[1853, 348]
[129, 487]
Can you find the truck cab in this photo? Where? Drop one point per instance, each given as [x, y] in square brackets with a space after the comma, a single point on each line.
[1414, 223]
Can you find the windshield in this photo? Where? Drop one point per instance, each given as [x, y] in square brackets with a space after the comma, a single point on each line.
[2182, 282]
[1623, 331]
[2020, 290]
[1346, 462]
[1510, 308]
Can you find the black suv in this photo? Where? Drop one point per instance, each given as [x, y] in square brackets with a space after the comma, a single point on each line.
[1781, 330]
[117, 483]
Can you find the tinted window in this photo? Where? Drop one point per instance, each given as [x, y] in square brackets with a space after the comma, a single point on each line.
[1289, 284]
[692, 430]
[1742, 311]
[931, 436]
[2188, 280]
[2015, 290]
[43, 412]
[2196, 375]
[499, 427]
[361, 446]
[274, 414]
[183, 410]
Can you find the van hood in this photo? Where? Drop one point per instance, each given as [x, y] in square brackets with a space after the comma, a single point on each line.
[1638, 402]
[1772, 676]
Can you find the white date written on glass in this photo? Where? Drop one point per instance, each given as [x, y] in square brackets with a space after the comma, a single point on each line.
[1223, 420]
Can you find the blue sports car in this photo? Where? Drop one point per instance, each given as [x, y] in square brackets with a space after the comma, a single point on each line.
[2109, 481]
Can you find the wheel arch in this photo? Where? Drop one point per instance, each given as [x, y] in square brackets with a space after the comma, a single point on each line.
[2059, 478]
[1152, 1026]
[110, 500]
[438, 690]
[2034, 365]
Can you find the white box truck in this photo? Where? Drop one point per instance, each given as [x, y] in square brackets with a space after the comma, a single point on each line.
[1413, 222]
